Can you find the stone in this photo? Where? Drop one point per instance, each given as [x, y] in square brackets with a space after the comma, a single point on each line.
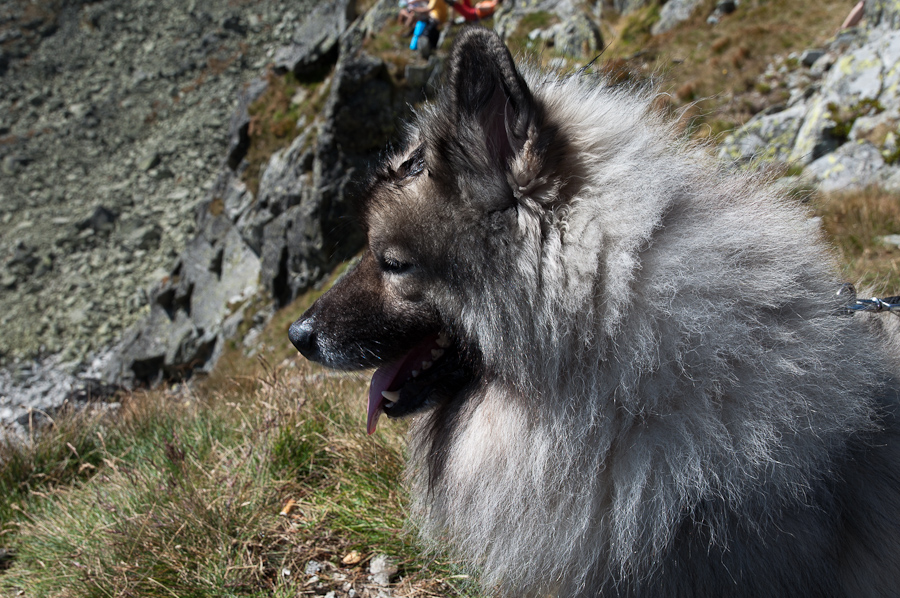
[578, 36]
[809, 57]
[867, 75]
[892, 240]
[144, 238]
[102, 220]
[854, 165]
[382, 13]
[672, 13]
[382, 567]
[287, 175]
[883, 14]
[314, 45]
[151, 161]
[726, 7]
[239, 125]
[184, 330]
[765, 137]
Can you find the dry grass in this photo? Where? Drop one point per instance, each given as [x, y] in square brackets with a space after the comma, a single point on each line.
[713, 73]
[854, 222]
[181, 492]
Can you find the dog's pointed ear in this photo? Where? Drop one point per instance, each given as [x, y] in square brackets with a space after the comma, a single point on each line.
[487, 94]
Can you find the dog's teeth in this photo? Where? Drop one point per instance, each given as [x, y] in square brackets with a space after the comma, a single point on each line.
[415, 373]
[436, 353]
[391, 395]
[443, 340]
[426, 364]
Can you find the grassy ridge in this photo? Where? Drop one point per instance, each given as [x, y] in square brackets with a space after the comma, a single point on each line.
[180, 492]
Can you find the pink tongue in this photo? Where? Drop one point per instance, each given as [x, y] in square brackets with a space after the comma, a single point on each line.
[381, 380]
[385, 377]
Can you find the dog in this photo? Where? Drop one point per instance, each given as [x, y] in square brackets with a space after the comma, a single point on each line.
[625, 363]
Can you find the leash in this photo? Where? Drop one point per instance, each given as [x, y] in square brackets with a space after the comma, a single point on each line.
[890, 304]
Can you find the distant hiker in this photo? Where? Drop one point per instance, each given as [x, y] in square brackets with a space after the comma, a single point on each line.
[474, 11]
[437, 13]
[407, 14]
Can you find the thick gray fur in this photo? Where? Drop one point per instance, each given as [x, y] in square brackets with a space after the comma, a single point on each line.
[667, 404]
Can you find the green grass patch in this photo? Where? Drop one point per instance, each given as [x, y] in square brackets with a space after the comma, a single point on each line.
[228, 488]
[274, 118]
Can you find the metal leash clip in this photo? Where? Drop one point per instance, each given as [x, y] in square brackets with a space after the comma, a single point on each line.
[848, 293]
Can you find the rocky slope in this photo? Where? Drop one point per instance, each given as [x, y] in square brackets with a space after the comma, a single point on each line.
[143, 225]
[842, 121]
[113, 124]
[137, 234]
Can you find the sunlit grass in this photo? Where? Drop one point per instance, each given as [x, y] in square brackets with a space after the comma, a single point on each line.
[181, 491]
[856, 223]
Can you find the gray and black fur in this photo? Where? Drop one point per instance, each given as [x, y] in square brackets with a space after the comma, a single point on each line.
[647, 390]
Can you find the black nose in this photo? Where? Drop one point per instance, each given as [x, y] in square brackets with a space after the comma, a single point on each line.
[303, 335]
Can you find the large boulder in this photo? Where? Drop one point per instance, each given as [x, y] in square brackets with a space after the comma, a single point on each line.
[190, 309]
[864, 79]
[314, 45]
[314, 233]
[883, 13]
[766, 137]
[277, 243]
[845, 127]
[854, 165]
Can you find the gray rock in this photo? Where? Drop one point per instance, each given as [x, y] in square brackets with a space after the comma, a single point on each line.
[77, 124]
[883, 14]
[151, 161]
[102, 220]
[672, 13]
[314, 45]
[185, 327]
[823, 64]
[893, 240]
[239, 126]
[765, 138]
[578, 35]
[809, 57]
[237, 198]
[144, 238]
[382, 13]
[868, 74]
[854, 165]
[726, 7]
[287, 174]
[382, 567]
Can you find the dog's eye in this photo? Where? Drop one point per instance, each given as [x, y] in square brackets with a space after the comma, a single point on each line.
[394, 266]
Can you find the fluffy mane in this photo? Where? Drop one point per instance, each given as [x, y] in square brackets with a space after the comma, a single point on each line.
[667, 354]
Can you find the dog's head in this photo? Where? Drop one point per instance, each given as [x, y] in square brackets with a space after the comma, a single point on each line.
[442, 217]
